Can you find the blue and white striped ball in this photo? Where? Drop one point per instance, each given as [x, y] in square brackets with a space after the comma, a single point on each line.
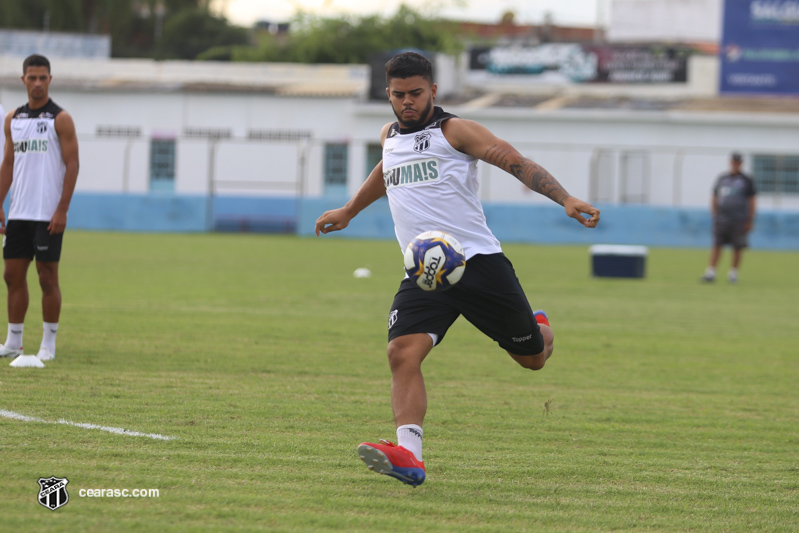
[435, 261]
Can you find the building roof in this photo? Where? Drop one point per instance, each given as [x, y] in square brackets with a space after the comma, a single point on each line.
[352, 81]
[288, 79]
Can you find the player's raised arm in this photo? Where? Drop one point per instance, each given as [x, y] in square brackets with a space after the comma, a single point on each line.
[476, 140]
[372, 189]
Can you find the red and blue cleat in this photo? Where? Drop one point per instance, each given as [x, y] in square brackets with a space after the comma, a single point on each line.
[541, 317]
[392, 460]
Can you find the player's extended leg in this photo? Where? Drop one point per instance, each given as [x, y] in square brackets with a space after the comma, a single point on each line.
[408, 395]
[715, 253]
[737, 253]
[710, 271]
[51, 291]
[16, 276]
[409, 402]
[537, 362]
[51, 307]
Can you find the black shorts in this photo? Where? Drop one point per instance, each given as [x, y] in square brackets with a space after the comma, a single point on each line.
[489, 296]
[730, 232]
[26, 239]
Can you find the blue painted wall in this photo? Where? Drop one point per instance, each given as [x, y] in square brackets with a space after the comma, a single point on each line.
[650, 226]
[139, 212]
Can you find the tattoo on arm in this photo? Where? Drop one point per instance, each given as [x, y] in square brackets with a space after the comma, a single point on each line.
[533, 175]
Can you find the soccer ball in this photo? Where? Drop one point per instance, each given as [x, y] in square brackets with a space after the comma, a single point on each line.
[434, 260]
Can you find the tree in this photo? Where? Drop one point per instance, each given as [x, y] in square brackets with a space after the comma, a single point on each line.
[353, 39]
[193, 31]
[136, 27]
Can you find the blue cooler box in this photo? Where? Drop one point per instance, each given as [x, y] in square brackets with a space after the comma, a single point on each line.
[618, 261]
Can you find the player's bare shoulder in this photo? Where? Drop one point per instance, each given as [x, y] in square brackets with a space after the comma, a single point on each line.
[384, 132]
[465, 135]
[64, 123]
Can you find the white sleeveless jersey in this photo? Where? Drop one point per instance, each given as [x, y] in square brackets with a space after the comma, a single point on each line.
[433, 186]
[38, 166]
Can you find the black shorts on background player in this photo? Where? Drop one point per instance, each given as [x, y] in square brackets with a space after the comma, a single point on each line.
[489, 296]
[26, 239]
[730, 232]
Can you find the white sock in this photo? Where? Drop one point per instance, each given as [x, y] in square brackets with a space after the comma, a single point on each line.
[710, 272]
[14, 339]
[409, 437]
[733, 273]
[48, 337]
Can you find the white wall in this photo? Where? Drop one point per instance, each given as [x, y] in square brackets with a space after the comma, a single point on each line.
[665, 20]
[687, 150]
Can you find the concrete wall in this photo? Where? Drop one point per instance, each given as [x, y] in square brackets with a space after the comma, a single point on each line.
[548, 224]
[665, 21]
[686, 151]
[279, 184]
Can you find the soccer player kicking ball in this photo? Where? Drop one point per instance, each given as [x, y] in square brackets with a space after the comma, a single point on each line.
[441, 152]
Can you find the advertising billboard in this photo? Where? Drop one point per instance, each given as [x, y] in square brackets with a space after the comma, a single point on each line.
[581, 63]
[760, 47]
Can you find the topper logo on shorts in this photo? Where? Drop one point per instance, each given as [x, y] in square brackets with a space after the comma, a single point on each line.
[421, 171]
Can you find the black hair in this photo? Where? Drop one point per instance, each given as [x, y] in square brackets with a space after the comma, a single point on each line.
[407, 65]
[35, 60]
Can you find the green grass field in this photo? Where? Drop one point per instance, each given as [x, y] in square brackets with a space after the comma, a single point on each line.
[667, 406]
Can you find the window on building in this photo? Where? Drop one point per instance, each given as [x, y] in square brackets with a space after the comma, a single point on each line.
[634, 177]
[336, 168]
[118, 131]
[603, 171]
[374, 153]
[776, 174]
[162, 165]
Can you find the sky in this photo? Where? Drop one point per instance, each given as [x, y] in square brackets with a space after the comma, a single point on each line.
[564, 12]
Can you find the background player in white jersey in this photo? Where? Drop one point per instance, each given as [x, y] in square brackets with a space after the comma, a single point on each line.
[40, 168]
[489, 294]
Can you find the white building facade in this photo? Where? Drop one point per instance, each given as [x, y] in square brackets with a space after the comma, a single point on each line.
[253, 144]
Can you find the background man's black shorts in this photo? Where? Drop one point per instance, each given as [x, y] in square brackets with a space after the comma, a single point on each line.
[489, 296]
[26, 239]
[730, 232]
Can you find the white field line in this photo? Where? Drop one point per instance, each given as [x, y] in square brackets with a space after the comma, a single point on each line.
[118, 431]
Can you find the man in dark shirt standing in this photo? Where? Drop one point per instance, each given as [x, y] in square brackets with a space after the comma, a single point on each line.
[733, 212]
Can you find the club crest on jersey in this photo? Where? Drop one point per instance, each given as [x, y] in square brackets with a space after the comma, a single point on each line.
[421, 142]
[41, 127]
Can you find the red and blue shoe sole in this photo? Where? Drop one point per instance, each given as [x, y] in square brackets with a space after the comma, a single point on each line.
[377, 461]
